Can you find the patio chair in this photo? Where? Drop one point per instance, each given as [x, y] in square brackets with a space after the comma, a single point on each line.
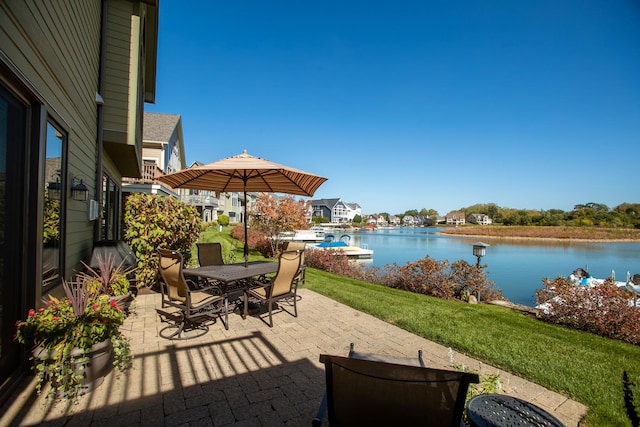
[209, 254]
[322, 409]
[195, 308]
[371, 392]
[282, 286]
[297, 246]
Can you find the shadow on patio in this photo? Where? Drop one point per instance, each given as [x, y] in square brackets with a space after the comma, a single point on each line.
[248, 375]
[242, 379]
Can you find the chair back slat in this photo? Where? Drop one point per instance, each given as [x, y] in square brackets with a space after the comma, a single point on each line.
[367, 392]
[209, 254]
[170, 265]
[288, 266]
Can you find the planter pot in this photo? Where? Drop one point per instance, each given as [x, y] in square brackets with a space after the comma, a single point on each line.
[93, 370]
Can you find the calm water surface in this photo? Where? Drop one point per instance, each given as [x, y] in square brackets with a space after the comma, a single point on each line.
[516, 266]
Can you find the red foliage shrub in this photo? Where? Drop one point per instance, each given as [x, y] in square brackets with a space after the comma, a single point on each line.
[426, 276]
[603, 309]
[333, 262]
[256, 239]
[436, 278]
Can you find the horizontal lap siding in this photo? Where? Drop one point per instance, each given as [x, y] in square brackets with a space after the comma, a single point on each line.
[117, 67]
[56, 45]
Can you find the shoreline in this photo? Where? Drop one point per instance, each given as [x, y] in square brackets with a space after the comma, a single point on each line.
[555, 239]
[539, 233]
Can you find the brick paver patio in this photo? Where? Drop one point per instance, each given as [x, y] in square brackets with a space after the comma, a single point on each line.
[250, 375]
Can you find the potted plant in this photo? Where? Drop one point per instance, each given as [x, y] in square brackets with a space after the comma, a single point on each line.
[75, 341]
[111, 279]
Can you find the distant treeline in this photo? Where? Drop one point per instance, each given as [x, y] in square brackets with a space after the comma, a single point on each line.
[625, 215]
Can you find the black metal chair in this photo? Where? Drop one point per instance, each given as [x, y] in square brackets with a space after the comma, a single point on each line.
[282, 286]
[322, 409]
[209, 254]
[195, 308]
[373, 392]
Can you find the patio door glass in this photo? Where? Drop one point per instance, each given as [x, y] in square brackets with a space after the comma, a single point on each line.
[12, 137]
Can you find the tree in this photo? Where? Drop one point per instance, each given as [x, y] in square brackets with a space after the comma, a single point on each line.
[357, 219]
[272, 217]
[223, 220]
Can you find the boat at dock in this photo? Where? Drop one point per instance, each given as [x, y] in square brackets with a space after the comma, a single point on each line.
[581, 278]
[342, 245]
[313, 235]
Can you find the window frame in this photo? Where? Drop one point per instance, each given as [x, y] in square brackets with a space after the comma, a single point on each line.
[64, 192]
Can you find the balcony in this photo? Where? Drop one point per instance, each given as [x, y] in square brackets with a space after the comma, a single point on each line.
[200, 200]
[150, 174]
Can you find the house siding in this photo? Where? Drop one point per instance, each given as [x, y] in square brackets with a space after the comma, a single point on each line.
[50, 59]
[122, 91]
[63, 66]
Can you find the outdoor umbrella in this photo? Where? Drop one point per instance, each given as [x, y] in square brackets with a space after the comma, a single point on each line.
[245, 173]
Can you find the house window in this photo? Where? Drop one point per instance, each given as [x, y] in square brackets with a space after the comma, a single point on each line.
[55, 189]
[111, 196]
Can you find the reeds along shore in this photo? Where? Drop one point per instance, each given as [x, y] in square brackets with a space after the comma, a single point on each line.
[546, 232]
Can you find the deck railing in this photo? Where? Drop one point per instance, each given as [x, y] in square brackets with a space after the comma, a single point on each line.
[150, 175]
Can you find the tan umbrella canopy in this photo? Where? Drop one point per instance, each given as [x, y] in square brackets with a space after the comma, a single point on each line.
[244, 173]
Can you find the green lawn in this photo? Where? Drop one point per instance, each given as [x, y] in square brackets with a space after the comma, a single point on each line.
[582, 366]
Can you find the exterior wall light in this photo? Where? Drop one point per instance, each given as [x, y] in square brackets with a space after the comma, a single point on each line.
[79, 191]
[54, 189]
[479, 250]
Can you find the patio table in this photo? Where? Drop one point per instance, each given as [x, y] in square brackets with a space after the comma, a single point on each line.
[232, 278]
[500, 410]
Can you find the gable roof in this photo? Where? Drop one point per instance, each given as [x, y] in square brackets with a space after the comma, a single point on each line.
[159, 127]
[325, 202]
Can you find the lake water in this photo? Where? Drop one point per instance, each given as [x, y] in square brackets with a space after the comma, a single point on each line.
[516, 266]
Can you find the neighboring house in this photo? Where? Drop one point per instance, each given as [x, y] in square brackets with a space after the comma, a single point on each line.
[162, 153]
[394, 220]
[480, 219]
[381, 221]
[232, 205]
[206, 202]
[336, 210]
[455, 218]
[74, 77]
[353, 209]
[409, 220]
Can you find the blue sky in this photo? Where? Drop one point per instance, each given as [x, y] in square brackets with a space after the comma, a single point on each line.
[415, 104]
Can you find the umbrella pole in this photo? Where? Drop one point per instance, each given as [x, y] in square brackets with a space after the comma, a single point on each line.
[246, 229]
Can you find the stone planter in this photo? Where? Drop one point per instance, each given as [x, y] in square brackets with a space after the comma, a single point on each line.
[92, 371]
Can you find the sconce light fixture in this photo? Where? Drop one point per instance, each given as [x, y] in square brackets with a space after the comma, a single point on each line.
[53, 189]
[79, 191]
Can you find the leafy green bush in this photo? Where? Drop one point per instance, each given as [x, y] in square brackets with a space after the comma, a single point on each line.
[51, 226]
[223, 220]
[206, 225]
[152, 222]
